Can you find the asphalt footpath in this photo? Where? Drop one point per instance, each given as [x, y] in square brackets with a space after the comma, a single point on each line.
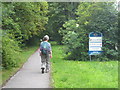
[30, 76]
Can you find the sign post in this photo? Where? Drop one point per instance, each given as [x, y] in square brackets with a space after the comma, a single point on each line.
[95, 43]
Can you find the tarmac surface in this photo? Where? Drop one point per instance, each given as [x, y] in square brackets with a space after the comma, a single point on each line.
[30, 76]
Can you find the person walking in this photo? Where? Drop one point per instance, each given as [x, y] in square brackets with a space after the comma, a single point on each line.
[45, 53]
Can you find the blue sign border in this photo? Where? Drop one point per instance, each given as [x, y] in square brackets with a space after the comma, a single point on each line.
[95, 34]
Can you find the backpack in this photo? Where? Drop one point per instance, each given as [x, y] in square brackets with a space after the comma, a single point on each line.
[44, 46]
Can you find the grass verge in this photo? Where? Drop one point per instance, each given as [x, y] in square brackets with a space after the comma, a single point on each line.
[82, 74]
[25, 54]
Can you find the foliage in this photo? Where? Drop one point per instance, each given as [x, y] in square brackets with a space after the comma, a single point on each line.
[21, 21]
[59, 13]
[24, 20]
[76, 42]
[102, 18]
[119, 33]
[8, 23]
[32, 18]
[10, 51]
[0, 48]
[82, 74]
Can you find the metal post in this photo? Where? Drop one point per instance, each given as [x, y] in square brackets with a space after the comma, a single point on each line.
[90, 57]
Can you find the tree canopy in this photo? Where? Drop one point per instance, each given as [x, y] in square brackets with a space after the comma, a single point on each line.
[92, 17]
[66, 23]
[20, 22]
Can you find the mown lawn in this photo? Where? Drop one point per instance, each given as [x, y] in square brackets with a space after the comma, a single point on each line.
[25, 54]
[82, 74]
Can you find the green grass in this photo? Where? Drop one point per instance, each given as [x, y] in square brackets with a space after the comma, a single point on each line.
[82, 74]
[25, 54]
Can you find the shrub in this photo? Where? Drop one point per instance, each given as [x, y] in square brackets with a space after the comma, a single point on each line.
[76, 43]
[10, 52]
[75, 32]
[0, 47]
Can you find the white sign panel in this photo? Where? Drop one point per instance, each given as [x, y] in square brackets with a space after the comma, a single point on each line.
[95, 43]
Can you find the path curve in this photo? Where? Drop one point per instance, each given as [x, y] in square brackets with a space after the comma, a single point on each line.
[30, 76]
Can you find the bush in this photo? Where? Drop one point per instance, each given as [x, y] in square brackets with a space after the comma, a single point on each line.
[10, 52]
[76, 40]
[77, 47]
[75, 32]
[0, 47]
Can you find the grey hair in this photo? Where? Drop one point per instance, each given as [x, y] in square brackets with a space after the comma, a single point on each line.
[46, 37]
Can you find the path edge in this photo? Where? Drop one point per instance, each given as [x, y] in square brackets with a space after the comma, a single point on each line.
[4, 83]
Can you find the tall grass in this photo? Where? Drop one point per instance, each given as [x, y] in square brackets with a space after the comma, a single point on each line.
[82, 74]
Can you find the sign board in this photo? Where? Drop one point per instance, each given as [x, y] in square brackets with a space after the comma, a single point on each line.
[95, 43]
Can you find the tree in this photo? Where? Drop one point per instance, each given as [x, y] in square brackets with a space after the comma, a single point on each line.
[32, 18]
[20, 22]
[24, 20]
[8, 23]
[118, 33]
[59, 13]
[99, 17]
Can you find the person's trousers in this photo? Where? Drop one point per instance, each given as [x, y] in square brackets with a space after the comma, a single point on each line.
[45, 61]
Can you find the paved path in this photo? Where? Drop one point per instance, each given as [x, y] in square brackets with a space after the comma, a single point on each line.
[30, 75]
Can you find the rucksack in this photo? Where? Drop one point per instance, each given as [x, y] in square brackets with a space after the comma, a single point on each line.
[44, 48]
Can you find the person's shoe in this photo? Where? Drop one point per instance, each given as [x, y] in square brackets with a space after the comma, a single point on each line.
[42, 70]
[47, 70]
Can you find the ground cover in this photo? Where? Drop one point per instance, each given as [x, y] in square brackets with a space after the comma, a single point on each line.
[82, 74]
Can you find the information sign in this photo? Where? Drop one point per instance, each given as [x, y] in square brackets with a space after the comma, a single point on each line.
[95, 43]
